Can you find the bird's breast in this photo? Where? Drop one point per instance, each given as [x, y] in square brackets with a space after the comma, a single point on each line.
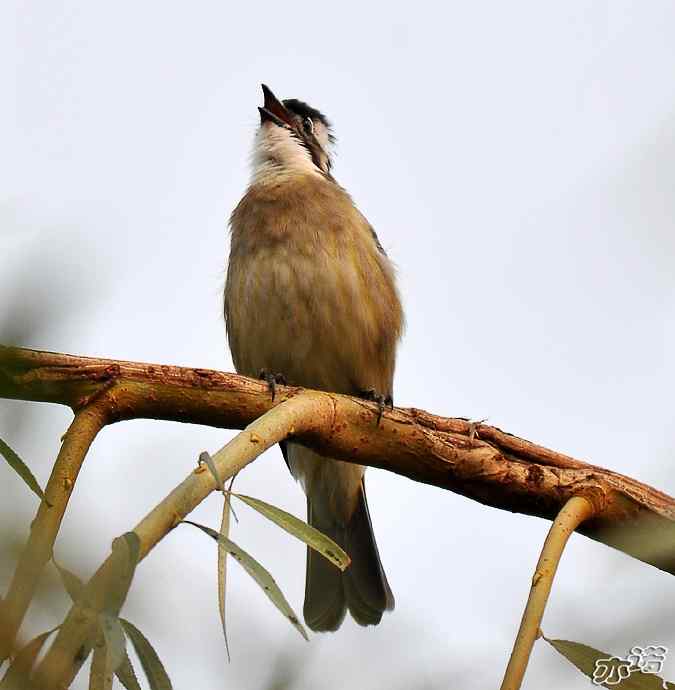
[308, 295]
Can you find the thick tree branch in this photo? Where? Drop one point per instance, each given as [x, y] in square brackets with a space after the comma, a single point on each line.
[478, 461]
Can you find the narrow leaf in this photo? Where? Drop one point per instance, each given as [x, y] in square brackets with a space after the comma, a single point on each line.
[86, 618]
[124, 558]
[72, 583]
[258, 573]
[115, 641]
[126, 674]
[632, 672]
[300, 529]
[154, 670]
[222, 570]
[205, 458]
[18, 674]
[20, 467]
[100, 674]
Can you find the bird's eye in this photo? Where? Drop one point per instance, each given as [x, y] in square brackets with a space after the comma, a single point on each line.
[308, 125]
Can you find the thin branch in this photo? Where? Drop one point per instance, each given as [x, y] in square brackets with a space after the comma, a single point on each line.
[101, 676]
[474, 460]
[73, 642]
[88, 422]
[576, 510]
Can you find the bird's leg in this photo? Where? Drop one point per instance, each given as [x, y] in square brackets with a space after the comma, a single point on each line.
[272, 381]
[381, 400]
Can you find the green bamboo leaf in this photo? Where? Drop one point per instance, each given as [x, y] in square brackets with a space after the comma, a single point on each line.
[258, 573]
[124, 558]
[115, 641]
[610, 671]
[154, 670]
[126, 674]
[72, 583]
[20, 467]
[18, 674]
[222, 569]
[300, 529]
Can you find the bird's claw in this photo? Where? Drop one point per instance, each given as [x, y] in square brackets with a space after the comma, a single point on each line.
[272, 381]
[381, 400]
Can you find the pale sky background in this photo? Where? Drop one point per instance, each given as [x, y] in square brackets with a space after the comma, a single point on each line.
[517, 160]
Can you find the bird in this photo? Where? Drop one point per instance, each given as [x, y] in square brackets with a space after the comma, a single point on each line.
[311, 299]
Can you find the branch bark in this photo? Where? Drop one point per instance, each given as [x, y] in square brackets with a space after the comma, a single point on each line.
[89, 420]
[475, 460]
[576, 510]
[73, 642]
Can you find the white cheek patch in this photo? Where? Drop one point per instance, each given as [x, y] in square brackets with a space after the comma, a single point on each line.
[321, 134]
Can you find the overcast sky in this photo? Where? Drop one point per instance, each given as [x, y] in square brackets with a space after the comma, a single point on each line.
[517, 161]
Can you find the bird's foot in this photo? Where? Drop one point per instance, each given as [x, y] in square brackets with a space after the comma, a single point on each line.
[272, 381]
[381, 400]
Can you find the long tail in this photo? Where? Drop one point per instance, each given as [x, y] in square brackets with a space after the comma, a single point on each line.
[362, 587]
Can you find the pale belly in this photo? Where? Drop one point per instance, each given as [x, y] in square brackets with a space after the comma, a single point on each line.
[308, 318]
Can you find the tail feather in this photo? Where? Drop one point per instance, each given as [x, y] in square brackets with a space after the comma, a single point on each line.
[362, 588]
[367, 590]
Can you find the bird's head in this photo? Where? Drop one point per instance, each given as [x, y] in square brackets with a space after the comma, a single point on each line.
[293, 137]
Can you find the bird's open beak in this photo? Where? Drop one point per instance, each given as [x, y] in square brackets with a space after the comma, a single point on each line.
[274, 110]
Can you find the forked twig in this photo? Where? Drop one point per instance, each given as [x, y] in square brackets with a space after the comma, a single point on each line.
[73, 642]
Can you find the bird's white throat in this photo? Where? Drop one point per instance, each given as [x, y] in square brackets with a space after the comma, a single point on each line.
[276, 152]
